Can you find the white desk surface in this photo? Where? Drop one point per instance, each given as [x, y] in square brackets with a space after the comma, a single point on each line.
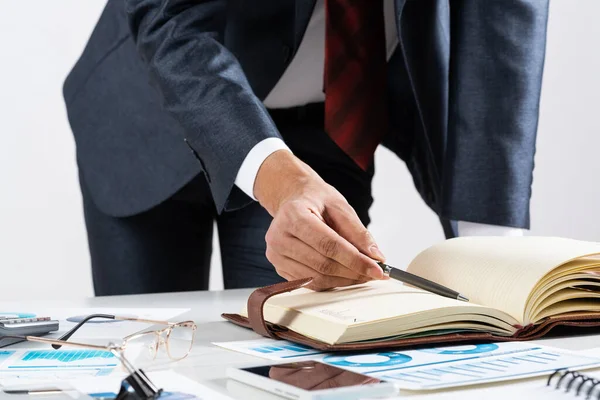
[207, 363]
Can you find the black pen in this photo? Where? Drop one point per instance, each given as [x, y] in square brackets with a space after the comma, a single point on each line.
[419, 282]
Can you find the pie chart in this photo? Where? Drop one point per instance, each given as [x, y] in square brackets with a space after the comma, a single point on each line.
[469, 349]
[368, 360]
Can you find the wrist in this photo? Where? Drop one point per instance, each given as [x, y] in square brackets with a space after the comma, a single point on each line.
[246, 175]
[279, 176]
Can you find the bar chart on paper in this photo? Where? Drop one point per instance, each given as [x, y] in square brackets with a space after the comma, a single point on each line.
[443, 367]
[432, 368]
[270, 349]
[20, 365]
[38, 359]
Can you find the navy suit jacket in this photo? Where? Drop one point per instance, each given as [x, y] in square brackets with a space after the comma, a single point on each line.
[165, 90]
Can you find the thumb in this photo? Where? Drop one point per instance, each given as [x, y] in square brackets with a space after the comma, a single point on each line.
[344, 220]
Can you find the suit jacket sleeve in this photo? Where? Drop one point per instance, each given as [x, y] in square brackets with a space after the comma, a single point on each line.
[202, 85]
[496, 64]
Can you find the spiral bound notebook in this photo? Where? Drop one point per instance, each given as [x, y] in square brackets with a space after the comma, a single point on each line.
[564, 382]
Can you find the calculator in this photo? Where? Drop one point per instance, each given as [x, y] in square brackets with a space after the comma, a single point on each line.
[35, 326]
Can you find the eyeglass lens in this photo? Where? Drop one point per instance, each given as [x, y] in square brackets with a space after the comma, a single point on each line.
[174, 343]
[180, 340]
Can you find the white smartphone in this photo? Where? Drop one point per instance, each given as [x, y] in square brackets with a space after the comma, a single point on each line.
[312, 380]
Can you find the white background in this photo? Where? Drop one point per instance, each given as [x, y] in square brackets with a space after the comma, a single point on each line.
[43, 247]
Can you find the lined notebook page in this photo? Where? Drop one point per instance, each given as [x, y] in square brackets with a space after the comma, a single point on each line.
[498, 272]
[373, 301]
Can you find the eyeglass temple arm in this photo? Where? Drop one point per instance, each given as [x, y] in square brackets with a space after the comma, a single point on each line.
[70, 333]
[8, 337]
[54, 341]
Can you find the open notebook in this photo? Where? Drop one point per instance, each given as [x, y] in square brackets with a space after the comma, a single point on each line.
[518, 288]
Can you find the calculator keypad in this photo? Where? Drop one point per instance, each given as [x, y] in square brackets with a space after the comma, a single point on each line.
[13, 321]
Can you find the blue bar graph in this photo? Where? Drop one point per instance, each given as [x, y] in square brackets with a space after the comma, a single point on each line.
[284, 350]
[486, 370]
[66, 356]
[41, 359]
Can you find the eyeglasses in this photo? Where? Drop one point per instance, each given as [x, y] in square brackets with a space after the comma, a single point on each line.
[176, 338]
[136, 386]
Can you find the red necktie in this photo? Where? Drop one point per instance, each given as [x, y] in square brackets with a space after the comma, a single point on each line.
[355, 77]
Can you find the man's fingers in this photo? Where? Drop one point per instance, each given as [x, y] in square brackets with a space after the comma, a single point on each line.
[312, 231]
[343, 219]
[296, 249]
[288, 266]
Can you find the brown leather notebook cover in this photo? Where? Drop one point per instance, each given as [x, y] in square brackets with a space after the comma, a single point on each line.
[257, 322]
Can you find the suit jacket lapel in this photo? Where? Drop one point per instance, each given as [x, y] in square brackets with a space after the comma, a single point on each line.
[399, 7]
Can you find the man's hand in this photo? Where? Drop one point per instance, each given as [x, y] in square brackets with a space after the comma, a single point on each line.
[315, 232]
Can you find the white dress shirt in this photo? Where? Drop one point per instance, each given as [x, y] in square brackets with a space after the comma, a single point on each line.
[302, 83]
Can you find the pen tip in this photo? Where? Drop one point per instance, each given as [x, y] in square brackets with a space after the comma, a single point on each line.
[386, 268]
[462, 298]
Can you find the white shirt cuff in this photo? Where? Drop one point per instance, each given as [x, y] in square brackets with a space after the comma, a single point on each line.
[475, 229]
[256, 156]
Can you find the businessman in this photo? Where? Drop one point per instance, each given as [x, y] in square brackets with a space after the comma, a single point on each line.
[264, 116]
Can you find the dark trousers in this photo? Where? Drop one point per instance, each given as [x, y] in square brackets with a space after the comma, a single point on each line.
[168, 248]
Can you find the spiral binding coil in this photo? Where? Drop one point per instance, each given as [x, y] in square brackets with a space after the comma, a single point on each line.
[567, 380]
